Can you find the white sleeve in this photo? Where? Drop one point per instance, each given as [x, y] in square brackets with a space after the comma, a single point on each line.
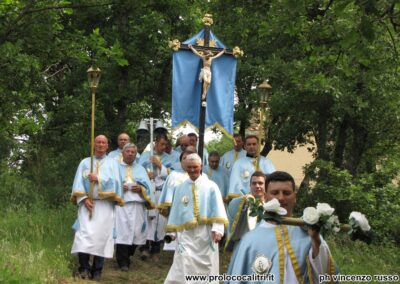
[80, 199]
[218, 228]
[163, 172]
[319, 264]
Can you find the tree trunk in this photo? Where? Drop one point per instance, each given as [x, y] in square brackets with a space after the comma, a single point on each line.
[267, 147]
[341, 142]
[360, 135]
[321, 136]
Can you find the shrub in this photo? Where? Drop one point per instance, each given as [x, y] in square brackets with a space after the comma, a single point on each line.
[346, 193]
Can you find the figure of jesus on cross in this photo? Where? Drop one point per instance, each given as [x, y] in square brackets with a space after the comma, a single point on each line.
[205, 73]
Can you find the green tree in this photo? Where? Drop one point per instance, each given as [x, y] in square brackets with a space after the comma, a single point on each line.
[333, 66]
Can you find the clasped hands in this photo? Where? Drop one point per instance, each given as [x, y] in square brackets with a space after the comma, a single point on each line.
[134, 188]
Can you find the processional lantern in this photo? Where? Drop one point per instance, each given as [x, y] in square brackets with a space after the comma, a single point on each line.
[94, 79]
[264, 90]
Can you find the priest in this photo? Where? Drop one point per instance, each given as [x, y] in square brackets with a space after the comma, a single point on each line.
[197, 218]
[217, 173]
[158, 167]
[239, 183]
[230, 157]
[174, 179]
[94, 226]
[240, 221]
[131, 219]
[280, 253]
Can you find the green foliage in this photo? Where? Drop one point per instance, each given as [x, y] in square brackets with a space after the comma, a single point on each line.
[16, 191]
[34, 244]
[35, 248]
[220, 145]
[350, 256]
[333, 66]
[12, 274]
[346, 194]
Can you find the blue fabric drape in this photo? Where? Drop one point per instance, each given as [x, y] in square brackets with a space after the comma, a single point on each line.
[186, 88]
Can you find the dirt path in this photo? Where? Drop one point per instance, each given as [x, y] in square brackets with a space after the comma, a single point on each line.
[141, 272]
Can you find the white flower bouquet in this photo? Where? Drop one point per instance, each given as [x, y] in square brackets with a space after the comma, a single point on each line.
[322, 218]
[359, 227]
[269, 211]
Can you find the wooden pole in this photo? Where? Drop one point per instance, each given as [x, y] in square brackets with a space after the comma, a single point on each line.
[299, 222]
[260, 135]
[203, 104]
[92, 146]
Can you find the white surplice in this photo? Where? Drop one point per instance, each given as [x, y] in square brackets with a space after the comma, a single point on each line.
[196, 254]
[95, 236]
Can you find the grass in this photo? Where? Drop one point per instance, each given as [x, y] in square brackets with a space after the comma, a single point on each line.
[35, 248]
[34, 245]
[359, 258]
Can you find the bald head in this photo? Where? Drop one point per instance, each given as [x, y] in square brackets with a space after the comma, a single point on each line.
[123, 139]
[100, 145]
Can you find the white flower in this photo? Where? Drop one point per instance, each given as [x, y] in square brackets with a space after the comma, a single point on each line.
[310, 215]
[361, 220]
[275, 207]
[324, 209]
[333, 224]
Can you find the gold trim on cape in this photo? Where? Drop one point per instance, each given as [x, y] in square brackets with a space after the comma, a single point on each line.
[235, 221]
[194, 223]
[292, 256]
[149, 204]
[281, 251]
[231, 196]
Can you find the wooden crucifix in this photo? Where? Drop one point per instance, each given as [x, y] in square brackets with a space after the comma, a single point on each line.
[206, 49]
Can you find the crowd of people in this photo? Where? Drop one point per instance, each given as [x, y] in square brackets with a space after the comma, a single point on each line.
[129, 202]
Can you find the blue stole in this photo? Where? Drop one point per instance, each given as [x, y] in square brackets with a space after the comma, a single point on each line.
[108, 186]
[237, 221]
[145, 159]
[139, 175]
[196, 203]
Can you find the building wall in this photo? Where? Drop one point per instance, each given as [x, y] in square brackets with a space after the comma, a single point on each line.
[292, 163]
